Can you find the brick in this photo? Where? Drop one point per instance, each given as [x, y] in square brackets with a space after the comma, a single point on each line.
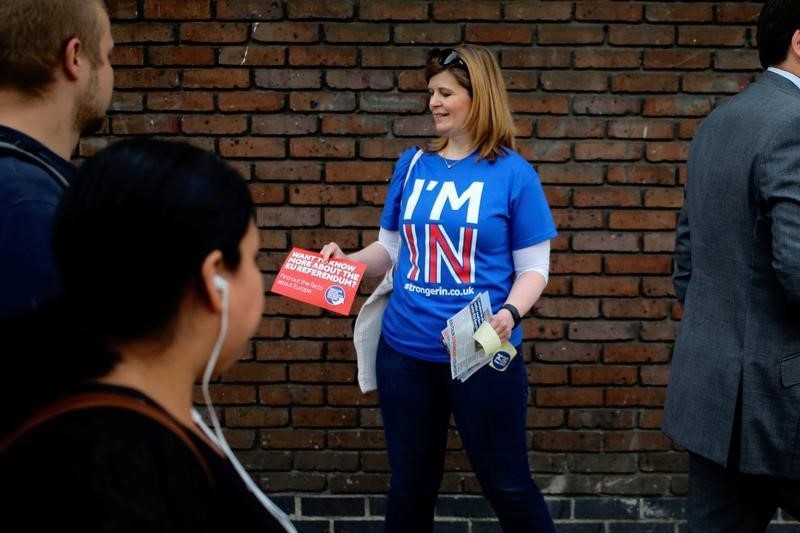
[520, 81]
[549, 151]
[289, 171]
[392, 56]
[607, 11]
[601, 418]
[144, 124]
[602, 463]
[180, 101]
[679, 12]
[638, 485]
[314, 417]
[208, 32]
[145, 78]
[664, 462]
[641, 264]
[605, 105]
[231, 394]
[575, 441]
[151, 32]
[236, 101]
[636, 353]
[571, 174]
[602, 286]
[355, 32]
[601, 331]
[643, 34]
[667, 151]
[122, 9]
[570, 34]
[180, 55]
[546, 375]
[321, 101]
[177, 9]
[252, 147]
[640, 129]
[663, 198]
[288, 79]
[635, 440]
[384, 148]
[266, 193]
[602, 241]
[248, 10]
[322, 195]
[251, 55]
[538, 11]
[126, 102]
[640, 396]
[575, 263]
[654, 375]
[392, 10]
[127, 56]
[658, 242]
[715, 83]
[255, 417]
[539, 104]
[414, 126]
[567, 308]
[641, 174]
[217, 78]
[606, 197]
[284, 124]
[574, 81]
[570, 128]
[543, 329]
[426, 34]
[356, 171]
[685, 106]
[350, 395]
[683, 59]
[601, 375]
[359, 79]
[602, 58]
[650, 418]
[607, 150]
[287, 32]
[644, 82]
[738, 12]
[711, 36]
[213, 124]
[322, 147]
[659, 331]
[567, 352]
[474, 10]
[328, 56]
[498, 33]
[635, 308]
[312, 9]
[736, 60]
[356, 439]
[529, 57]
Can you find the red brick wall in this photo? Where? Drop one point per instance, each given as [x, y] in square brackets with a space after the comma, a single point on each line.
[314, 100]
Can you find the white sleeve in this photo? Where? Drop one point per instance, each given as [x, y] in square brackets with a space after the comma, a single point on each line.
[534, 258]
[390, 240]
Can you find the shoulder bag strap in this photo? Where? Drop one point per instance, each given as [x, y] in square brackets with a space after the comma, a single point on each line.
[55, 174]
[88, 400]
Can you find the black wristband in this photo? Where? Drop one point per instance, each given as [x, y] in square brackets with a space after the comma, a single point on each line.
[514, 313]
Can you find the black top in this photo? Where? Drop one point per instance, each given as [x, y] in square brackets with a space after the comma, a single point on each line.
[114, 470]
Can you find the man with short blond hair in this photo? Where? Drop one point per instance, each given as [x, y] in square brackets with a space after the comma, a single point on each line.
[56, 83]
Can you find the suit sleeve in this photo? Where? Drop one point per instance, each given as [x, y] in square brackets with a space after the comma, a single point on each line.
[683, 254]
[779, 186]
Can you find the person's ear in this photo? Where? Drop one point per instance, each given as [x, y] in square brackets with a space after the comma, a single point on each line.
[794, 46]
[213, 282]
[72, 58]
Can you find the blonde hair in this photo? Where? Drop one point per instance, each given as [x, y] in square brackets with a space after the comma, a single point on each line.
[489, 123]
[34, 34]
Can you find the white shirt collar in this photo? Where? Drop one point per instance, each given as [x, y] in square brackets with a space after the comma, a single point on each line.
[788, 75]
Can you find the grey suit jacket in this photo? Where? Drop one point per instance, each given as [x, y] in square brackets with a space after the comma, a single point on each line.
[737, 274]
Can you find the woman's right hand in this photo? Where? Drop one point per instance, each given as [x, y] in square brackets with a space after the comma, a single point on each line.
[331, 250]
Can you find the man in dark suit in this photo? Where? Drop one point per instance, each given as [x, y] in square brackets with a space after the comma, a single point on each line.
[734, 390]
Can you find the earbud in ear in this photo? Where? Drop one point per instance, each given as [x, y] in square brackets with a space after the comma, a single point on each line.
[220, 283]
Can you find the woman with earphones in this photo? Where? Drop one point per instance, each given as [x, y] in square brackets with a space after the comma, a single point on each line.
[465, 215]
[156, 247]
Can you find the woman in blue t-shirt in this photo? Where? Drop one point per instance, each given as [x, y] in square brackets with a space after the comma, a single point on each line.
[469, 217]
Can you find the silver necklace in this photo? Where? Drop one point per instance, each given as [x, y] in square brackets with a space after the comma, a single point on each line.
[450, 163]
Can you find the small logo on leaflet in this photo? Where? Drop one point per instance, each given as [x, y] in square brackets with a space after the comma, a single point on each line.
[500, 361]
[334, 295]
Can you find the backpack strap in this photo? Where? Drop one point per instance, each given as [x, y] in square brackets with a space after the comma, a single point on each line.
[36, 160]
[90, 400]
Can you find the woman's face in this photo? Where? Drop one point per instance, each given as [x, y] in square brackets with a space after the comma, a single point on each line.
[246, 299]
[450, 103]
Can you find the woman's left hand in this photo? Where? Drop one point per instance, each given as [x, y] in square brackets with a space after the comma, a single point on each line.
[503, 324]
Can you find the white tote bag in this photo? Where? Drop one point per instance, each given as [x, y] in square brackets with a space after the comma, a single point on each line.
[367, 329]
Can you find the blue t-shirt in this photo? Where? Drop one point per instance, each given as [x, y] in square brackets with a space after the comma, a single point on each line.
[29, 197]
[458, 228]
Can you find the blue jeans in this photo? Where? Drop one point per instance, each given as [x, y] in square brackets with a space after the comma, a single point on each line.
[416, 400]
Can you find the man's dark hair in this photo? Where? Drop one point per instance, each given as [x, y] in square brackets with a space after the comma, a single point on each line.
[777, 23]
